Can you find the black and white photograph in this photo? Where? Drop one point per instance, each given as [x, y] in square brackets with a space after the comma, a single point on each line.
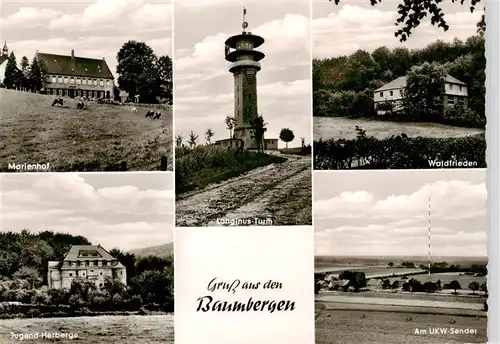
[397, 86]
[401, 256]
[243, 120]
[87, 258]
[86, 86]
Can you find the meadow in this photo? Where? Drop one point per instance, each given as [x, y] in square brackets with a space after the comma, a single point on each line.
[344, 128]
[98, 138]
[96, 330]
[390, 325]
[370, 272]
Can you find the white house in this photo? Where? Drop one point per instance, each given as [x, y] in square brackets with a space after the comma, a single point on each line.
[85, 263]
[455, 93]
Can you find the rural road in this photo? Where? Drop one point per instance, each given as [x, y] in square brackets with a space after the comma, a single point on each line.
[281, 193]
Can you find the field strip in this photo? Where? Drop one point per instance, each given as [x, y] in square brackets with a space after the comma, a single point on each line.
[400, 302]
[333, 307]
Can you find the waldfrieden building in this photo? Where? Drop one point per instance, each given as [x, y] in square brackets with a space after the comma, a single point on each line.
[72, 76]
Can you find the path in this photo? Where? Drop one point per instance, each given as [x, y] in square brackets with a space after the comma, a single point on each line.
[279, 193]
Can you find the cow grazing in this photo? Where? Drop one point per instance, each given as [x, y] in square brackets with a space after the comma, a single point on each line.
[150, 114]
[157, 115]
[80, 105]
[58, 101]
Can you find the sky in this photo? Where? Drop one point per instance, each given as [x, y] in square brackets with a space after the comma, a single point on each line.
[204, 85]
[94, 29]
[128, 211]
[355, 24]
[383, 213]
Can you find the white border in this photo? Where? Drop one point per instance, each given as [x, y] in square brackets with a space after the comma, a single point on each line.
[492, 11]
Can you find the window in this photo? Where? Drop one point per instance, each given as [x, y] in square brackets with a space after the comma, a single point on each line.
[99, 263]
[391, 93]
[101, 83]
[100, 285]
[108, 83]
[95, 82]
[78, 81]
[53, 79]
[91, 270]
[72, 81]
[91, 263]
[450, 86]
[381, 94]
[460, 88]
[60, 80]
[400, 92]
[70, 274]
[73, 264]
[100, 273]
[451, 100]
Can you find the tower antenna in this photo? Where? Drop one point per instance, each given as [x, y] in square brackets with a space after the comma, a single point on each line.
[244, 25]
[429, 237]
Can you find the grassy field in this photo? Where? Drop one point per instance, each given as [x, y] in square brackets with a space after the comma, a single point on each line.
[203, 165]
[391, 298]
[96, 330]
[379, 325]
[96, 139]
[341, 127]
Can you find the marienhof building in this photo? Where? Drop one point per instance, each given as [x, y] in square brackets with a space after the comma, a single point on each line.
[68, 75]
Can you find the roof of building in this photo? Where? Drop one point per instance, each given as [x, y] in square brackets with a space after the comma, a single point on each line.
[257, 40]
[3, 58]
[88, 252]
[75, 66]
[401, 83]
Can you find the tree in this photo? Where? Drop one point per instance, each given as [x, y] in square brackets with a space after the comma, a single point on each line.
[36, 75]
[481, 26]
[390, 265]
[259, 126]
[411, 13]
[113, 286]
[386, 284]
[474, 286]
[396, 285]
[286, 135]
[430, 287]
[165, 78]
[135, 68]
[11, 77]
[229, 121]
[425, 88]
[193, 138]
[178, 140]
[455, 285]
[208, 135]
[484, 288]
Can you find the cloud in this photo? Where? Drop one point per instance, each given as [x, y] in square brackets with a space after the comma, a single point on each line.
[29, 17]
[120, 214]
[354, 27]
[359, 223]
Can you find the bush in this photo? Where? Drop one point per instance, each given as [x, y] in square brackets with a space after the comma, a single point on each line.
[203, 165]
[397, 152]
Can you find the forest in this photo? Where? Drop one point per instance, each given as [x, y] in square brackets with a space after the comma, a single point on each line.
[343, 86]
[24, 260]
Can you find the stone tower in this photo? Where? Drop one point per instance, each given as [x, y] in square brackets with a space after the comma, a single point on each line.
[244, 66]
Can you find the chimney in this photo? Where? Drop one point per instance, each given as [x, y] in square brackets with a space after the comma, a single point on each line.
[72, 53]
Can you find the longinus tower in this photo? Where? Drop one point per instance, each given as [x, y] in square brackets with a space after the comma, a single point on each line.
[240, 51]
